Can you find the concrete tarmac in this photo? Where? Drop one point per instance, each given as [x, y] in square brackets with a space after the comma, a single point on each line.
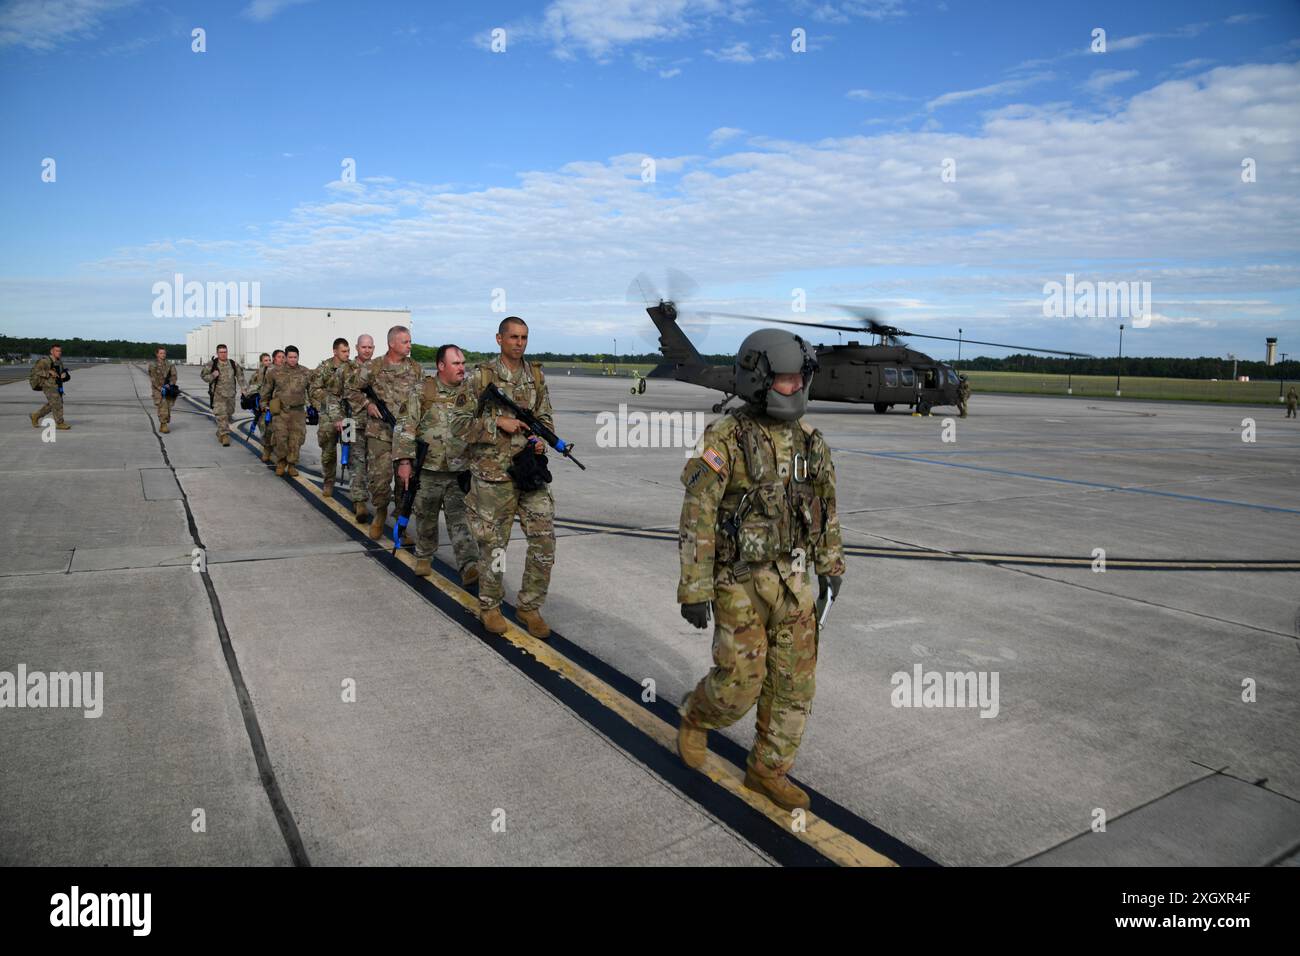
[1158, 700]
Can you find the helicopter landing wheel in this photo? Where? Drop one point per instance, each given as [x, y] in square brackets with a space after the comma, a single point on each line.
[640, 386]
[717, 408]
[881, 407]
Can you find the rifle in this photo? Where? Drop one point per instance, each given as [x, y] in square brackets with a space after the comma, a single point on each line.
[345, 447]
[408, 497]
[212, 387]
[384, 414]
[532, 424]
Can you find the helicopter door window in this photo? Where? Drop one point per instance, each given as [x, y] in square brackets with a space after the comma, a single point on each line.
[931, 378]
[909, 377]
[891, 378]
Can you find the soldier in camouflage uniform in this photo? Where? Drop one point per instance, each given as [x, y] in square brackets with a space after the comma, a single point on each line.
[392, 376]
[48, 376]
[963, 394]
[285, 393]
[162, 372]
[327, 393]
[358, 483]
[229, 382]
[269, 427]
[494, 500]
[1291, 400]
[759, 513]
[428, 416]
[255, 383]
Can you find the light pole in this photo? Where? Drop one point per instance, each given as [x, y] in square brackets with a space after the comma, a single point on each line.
[615, 356]
[1281, 376]
[1069, 371]
[959, 345]
[1119, 367]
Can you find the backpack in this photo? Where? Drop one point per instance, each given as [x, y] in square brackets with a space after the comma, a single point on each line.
[34, 378]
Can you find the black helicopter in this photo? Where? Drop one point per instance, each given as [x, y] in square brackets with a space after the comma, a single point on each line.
[881, 375]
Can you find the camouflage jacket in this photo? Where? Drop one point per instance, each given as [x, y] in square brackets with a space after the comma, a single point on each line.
[963, 389]
[230, 381]
[393, 383]
[428, 415]
[490, 451]
[288, 384]
[777, 480]
[48, 372]
[161, 374]
[258, 378]
[327, 390]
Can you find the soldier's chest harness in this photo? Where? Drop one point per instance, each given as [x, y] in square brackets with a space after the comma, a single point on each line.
[775, 512]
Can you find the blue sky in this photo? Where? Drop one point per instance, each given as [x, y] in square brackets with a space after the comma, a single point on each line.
[775, 170]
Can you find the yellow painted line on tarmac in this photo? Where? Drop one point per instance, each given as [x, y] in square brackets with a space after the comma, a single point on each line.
[828, 840]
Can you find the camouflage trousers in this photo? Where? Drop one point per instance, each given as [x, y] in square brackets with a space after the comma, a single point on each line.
[223, 407]
[492, 507]
[268, 435]
[961, 406]
[439, 491]
[327, 437]
[379, 473]
[163, 406]
[764, 651]
[1290, 410]
[290, 433]
[358, 488]
[53, 405]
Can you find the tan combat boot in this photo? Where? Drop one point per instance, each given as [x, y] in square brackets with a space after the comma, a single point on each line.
[692, 743]
[291, 471]
[163, 428]
[266, 454]
[424, 567]
[36, 420]
[377, 528]
[63, 426]
[535, 624]
[469, 577]
[493, 620]
[778, 789]
[225, 440]
[279, 469]
[328, 490]
[359, 509]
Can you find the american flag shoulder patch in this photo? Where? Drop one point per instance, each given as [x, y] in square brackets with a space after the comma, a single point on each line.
[714, 460]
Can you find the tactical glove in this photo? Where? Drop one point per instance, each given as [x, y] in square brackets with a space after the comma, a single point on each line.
[697, 614]
[831, 582]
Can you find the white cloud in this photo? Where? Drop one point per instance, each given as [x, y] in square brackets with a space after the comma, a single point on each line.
[740, 53]
[1006, 87]
[1240, 18]
[263, 10]
[600, 28]
[846, 11]
[1103, 80]
[722, 134]
[43, 25]
[874, 95]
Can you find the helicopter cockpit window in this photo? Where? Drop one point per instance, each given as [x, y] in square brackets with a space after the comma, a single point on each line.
[909, 377]
[891, 378]
[952, 377]
[932, 378]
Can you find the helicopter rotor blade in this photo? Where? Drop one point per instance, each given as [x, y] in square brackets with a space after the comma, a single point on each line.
[764, 318]
[641, 291]
[1000, 345]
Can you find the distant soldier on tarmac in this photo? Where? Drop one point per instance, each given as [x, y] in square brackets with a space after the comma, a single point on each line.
[1291, 401]
[494, 500]
[327, 392]
[255, 383]
[161, 373]
[268, 429]
[963, 394]
[391, 377]
[428, 416]
[358, 481]
[227, 381]
[285, 393]
[759, 513]
[48, 376]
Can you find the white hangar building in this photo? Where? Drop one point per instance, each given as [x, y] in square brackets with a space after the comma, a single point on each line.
[266, 328]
